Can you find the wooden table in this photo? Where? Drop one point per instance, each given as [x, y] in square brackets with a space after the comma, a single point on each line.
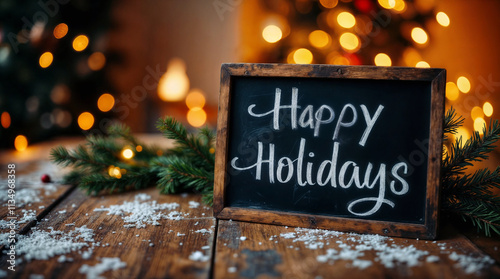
[188, 242]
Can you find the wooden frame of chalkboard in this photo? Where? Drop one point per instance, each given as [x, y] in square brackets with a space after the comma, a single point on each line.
[284, 131]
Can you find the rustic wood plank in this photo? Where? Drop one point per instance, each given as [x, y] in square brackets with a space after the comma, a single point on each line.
[164, 251]
[266, 251]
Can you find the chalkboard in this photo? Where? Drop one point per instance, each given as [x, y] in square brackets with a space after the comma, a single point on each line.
[351, 148]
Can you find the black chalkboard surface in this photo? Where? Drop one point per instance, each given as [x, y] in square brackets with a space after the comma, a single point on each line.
[338, 147]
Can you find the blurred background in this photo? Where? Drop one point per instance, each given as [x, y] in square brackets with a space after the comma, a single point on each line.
[71, 67]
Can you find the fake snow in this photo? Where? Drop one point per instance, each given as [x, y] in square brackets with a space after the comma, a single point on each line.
[193, 204]
[141, 212]
[352, 248]
[198, 256]
[106, 264]
[42, 245]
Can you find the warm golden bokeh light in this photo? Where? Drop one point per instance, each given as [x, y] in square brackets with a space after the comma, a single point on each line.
[127, 153]
[5, 120]
[105, 102]
[80, 42]
[174, 84]
[419, 35]
[329, 3]
[21, 143]
[488, 109]
[85, 120]
[399, 6]
[422, 64]
[96, 61]
[196, 117]
[195, 99]
[346, 20]
[302, 56]
[319, 39]
[387, 4]
[138, 148]
[46, 59]
[463, 84]
[476, 112]
[411, 56]
[349, 42]
[382, 59]
[479, 124]
[272, 33]
[443, 19]
[452, 92]
[463, 133]
[60, 30]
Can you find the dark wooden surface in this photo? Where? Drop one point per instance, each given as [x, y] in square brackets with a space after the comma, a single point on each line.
[230, 249]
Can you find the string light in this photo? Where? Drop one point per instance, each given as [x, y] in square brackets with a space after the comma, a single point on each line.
[399, 6]
[488, 109]
[127, 153]
[138, 148]
[174, 84]
[349, 42]
[302, 56]
[46, 59]
[21, 143]
[105, 102]
[272, 33]
[80, 43]
[387, 4]
[346, 20]
[443, 19]
[463, 84]
[422, 64]
[319, 39]
[5, 120]
[85, 120]
[452, 92]
[476, 112]
[60, 30]
[196, 117]
[382, 59]
[419, 35]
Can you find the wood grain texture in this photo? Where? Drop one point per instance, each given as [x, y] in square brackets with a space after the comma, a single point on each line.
[168, 257]
[268, 251]
[436, 79]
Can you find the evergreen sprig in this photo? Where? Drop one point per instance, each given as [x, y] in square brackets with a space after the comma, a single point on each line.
[470, 196]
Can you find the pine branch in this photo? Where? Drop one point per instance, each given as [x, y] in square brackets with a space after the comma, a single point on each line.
[451, 123]
[173, 129]
[473, 150]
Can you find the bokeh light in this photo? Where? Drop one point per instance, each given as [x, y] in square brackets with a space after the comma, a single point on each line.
[319, 39]
[302, 56]
[443, 19]
[346, 20]
[272, 33]
[127, 153]
[452, 92]
[422, 64]
[349, 42]
[463, 84]
[329, 3]
[174, 84]
[195, 99]
[96, 61]
[80, 42]
[196, 117]
[479, 124]
[387, 4]
[60, 30]
[21, 143]
[105, 102]
[5, 120]
[476, 112]
[382, 59]
[419, 35]
[85, 120]
[488, 109]
[46, 59]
